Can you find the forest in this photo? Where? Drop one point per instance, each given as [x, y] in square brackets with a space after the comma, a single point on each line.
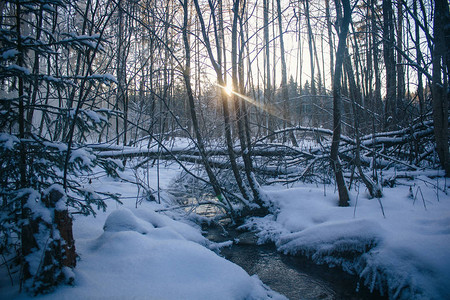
[240, 94]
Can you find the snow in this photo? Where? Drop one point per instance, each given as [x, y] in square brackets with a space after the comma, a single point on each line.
[23, 70]
[61, 204]
[91, 41]
[83, 156]
[405, 254]
[48, 7]
[11, 53]
[8, 141]
[95, 117]
[35, 204]
[61, 147]
[131, 252]
[159, 263]
[145, 250]
[52, 79]
[143, 150]
[103, 77]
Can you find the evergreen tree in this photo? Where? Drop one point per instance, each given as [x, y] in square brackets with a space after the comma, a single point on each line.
[38, 166]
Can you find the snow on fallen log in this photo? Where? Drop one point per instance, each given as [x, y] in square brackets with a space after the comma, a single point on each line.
[128, 152]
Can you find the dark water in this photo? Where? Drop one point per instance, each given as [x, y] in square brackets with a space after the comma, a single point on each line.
[293, 276]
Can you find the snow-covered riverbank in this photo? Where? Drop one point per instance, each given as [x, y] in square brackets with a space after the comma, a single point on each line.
[405, 253]
[137, 251]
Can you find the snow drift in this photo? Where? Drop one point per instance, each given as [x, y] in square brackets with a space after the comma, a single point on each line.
[405, 255]
[142, 254]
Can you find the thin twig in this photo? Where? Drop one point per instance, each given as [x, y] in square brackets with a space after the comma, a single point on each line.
[356, 203]
[7, 268]
[423, 199]
[381, 206]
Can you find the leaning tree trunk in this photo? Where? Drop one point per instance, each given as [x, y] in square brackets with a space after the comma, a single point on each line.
[200, 144]
[334, 156]
[257, 196]
[217, 65]
[371, 186]
[439, 88]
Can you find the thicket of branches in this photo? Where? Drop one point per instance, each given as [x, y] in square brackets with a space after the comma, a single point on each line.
[264, 91]
[279, 58]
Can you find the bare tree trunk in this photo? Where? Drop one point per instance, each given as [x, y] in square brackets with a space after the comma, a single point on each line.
[311, 60]
[28, 241]
[401, 88]
[376, 65]
[299, 65]
[330, 37]
[69, 103]
[267, 84]
[187, 80]
[419, 61]
[334, 155]
[257, 196]
[310, 44]
[356, 97]
[122, 94]
[389, 62]
[357, 70]
[36, 67]
[440, 85]
[284, 86]
[224, 97]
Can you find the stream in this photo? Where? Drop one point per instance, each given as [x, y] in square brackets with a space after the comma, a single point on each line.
[296, 277]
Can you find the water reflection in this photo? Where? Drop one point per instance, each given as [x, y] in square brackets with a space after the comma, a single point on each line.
[294, 277]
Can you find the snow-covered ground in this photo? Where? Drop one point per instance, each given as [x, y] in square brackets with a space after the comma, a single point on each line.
[139, 252]
[405, 253]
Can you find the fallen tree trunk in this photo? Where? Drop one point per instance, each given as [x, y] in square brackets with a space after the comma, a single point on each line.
[131, 152]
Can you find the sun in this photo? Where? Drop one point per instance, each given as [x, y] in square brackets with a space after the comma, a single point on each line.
[228, 89]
